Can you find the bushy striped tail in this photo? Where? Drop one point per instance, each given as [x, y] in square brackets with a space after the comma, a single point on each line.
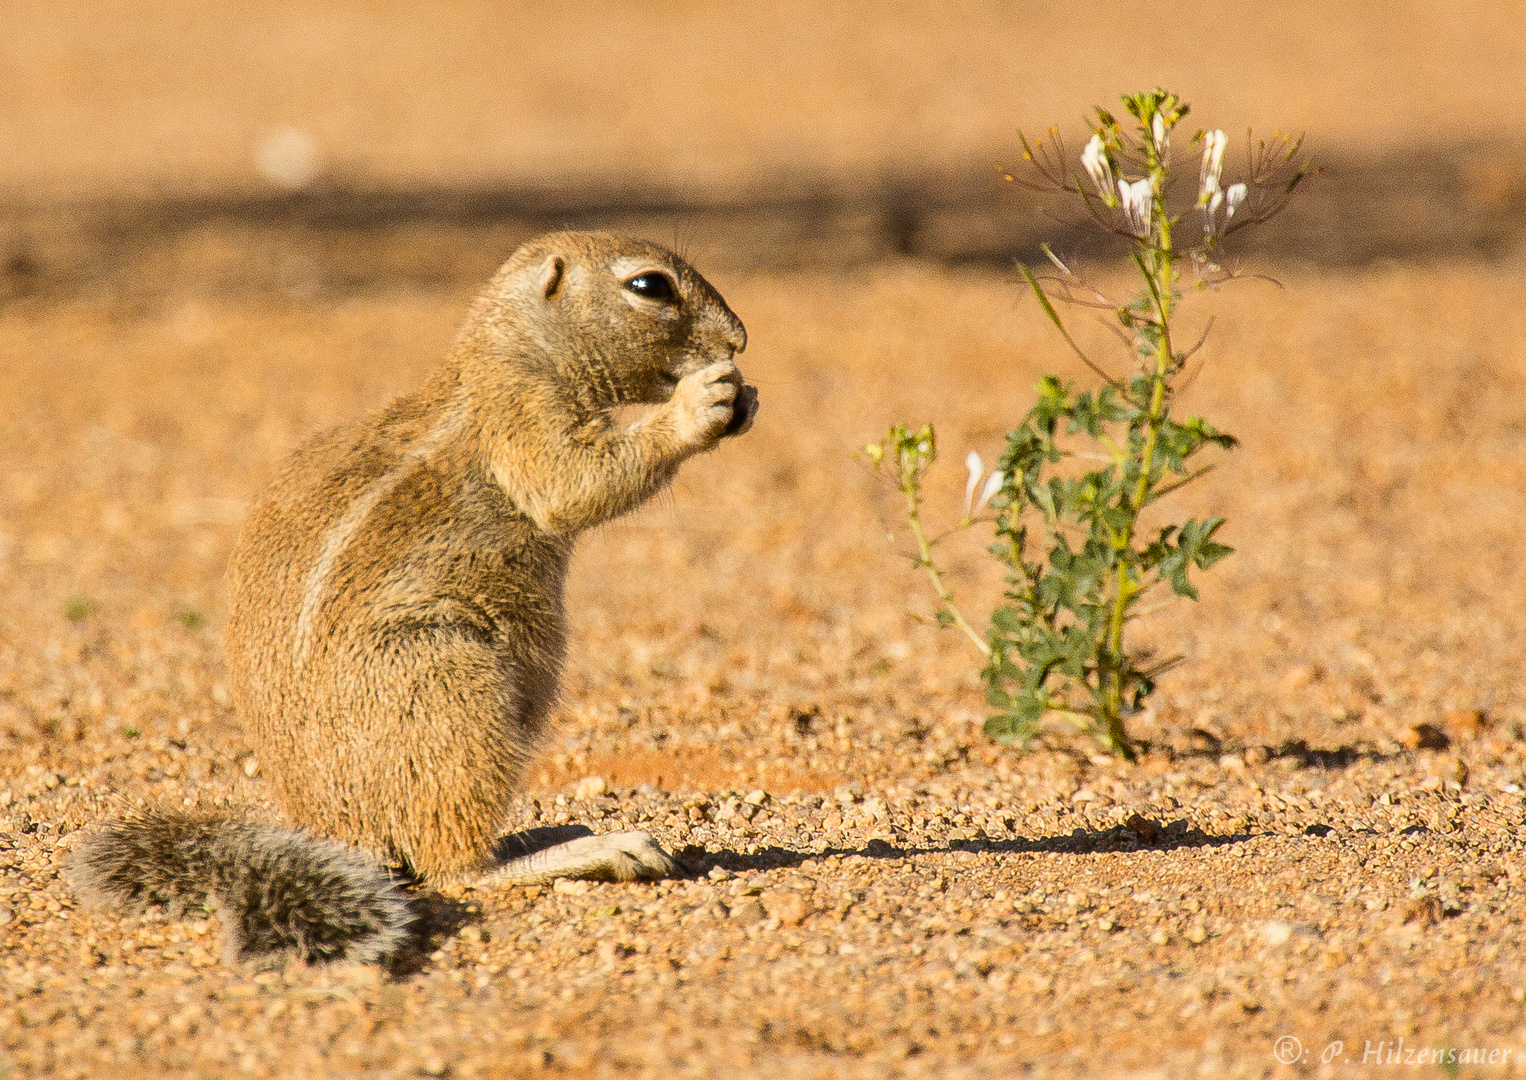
[279, 894]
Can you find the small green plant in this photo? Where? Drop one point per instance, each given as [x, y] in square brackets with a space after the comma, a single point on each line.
[1079, 558]
[77, 608]
[190, 618]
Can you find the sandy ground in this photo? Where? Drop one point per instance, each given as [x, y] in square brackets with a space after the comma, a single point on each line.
[875, 889]
[1323, 840]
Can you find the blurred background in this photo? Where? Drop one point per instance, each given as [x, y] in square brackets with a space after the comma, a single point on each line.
[321, 148]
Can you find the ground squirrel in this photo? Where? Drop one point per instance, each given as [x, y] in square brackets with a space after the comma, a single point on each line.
[396, 629]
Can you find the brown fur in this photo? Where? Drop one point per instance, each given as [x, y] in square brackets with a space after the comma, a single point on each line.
[396, 630]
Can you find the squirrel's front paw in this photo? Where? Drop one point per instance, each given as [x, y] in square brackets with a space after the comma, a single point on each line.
[743, 411]
[703, 404]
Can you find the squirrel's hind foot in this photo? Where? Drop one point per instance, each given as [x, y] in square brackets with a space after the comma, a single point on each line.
[621, 856]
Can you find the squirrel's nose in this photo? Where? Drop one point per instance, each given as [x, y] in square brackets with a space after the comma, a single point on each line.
[733, 333]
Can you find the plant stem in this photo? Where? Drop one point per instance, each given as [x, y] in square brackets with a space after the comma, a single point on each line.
[1161, 267]
[925, 558]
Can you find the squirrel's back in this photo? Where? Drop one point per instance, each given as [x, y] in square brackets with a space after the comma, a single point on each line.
[392, 622]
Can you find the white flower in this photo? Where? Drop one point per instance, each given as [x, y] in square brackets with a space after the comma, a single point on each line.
[1214, 200]
[993, 485]
[1094, 161]
[977, 469]
[1162, 136]
[1213, 163]
[1233, 197]
[1137, 200]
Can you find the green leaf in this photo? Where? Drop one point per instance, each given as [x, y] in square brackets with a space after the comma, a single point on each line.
[1019, 722]
[1007, 620]
[1194, 546]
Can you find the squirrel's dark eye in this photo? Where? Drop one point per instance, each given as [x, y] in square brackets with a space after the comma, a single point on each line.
[652, 286]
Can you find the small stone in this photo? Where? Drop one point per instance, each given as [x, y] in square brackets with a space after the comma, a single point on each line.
[720, 873]
[789, 908]
[356, 975]
[1257, 755]
[1425, 911]
[1197, 933]
[1424, 737]
[756, 798]
[569, 887]
[1160, 937]
[1203, 741]
[748, 912]
[1277, 932]
[433, 1067]
[611, 951]
[1465, 723]
[251, 766]
[1143, 828]
[590, 787]
[1302, 677]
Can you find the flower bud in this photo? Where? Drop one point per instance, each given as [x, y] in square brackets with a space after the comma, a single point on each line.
[976, 467]
[1234, 195]
[993, 485]
[1138, 200]
[1094, 161]
[1213, 163]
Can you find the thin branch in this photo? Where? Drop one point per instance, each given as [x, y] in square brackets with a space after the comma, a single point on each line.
[1189, 353]
[925, 552]
[1156, 670]
[1038, 291]
[1166, 489]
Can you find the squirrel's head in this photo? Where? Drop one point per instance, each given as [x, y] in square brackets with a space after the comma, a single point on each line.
[621, 319]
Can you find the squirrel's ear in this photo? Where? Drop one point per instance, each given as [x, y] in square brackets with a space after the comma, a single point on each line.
[549, 278]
